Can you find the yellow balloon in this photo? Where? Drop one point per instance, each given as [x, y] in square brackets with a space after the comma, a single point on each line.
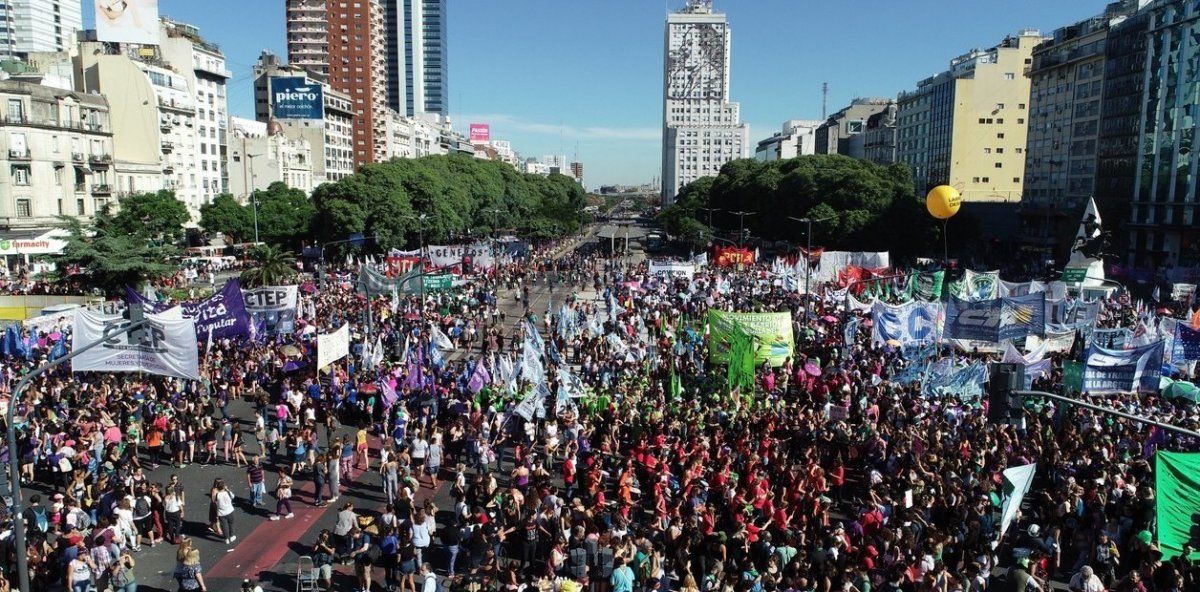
[943, 202]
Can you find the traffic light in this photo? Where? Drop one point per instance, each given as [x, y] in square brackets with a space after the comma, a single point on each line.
[1004, 405]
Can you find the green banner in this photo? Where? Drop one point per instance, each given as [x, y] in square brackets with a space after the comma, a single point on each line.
[1177, 479]
[771, 332]
[1072, 377]
[435, 283]
[1074, 275]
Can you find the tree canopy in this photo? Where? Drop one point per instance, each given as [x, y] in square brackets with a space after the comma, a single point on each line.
[872, 207]
[285, 216]
[127, 246]
[458, 194]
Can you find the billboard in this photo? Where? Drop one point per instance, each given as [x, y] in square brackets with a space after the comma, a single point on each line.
[127, 21]
[293, 97]
[481, 133]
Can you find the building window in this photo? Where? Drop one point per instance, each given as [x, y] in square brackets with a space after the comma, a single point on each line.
[999, 165]
[1020, 120]
[1009, 76]
[1001, 120]
[1016, 179]
[1000, 135]
[20, 174]
[79, 206]
[999, 151]
[1020, 105]
[24, 208]
[987, 150]
[16, 110]
[974, 179]
[986, 179]
[982, 120]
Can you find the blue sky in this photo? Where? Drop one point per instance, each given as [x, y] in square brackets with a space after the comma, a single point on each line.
[550, 75]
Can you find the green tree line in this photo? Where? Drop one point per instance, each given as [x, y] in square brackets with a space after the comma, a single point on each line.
[872, 207]
[458, 195]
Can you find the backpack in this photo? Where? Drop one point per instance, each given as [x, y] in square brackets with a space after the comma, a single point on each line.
[40, 519]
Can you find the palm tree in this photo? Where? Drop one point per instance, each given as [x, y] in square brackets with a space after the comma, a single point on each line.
[274, 266]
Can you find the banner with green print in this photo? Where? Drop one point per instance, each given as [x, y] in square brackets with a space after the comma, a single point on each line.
[770, 332]
[1177, 479]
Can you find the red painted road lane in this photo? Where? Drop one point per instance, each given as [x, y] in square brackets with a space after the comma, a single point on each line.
[263, 549]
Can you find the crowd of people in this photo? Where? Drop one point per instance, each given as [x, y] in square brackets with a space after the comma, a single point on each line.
[652, 475]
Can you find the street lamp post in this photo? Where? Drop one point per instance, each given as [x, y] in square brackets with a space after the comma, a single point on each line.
[420, 218]
[807, 257]
[741, 214]
[250, 188]
[14, 458]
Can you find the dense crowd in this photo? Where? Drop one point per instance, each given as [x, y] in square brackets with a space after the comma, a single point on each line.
[635, 485]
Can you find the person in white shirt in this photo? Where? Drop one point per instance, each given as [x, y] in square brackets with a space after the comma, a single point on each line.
[428, 579]
[1086, 581]
[223, 498]
[423, 526]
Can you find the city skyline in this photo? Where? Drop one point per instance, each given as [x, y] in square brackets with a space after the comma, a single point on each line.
[548, 84]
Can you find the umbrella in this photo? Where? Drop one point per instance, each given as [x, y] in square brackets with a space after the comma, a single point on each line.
[893, 342]
[290, 350]
[829, 319]
[55, 336]
[412, 316]
[1182, 389]
[293, 366]
[812, 369]
[368, 388]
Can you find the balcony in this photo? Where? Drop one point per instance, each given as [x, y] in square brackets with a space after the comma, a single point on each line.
[101, 189]
[18, 154]
[81, 188]
[77, 157]
[168, 146]
[100, 159]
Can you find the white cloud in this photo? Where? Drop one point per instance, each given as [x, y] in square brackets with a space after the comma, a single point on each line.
[508, 123]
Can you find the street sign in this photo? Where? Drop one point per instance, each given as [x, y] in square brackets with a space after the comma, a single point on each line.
[439, 282]
[1074, 275]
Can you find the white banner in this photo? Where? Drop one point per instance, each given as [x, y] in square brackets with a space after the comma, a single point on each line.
[273, 307]
[673, 268]
[332, 347]
[476, 255]
[167, 348]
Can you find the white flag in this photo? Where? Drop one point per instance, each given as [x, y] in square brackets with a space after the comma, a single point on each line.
[1017, 481]
[440, 340]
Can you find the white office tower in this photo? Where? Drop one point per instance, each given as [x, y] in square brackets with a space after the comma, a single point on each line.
[38, 25]
[702, 130]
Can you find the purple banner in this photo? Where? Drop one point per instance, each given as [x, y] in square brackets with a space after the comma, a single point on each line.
[223, 313]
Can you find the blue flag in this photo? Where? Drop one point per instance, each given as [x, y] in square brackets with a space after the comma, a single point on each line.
[59, 350]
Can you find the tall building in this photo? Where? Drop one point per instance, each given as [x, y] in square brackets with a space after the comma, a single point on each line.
[1067, 82]
[331, 138]
[1120, 120]
[38, 25]
[702, 129]
[202, 65]
[577, 171]
[416, 56]
[345, 43]
[56, 149]
[842, 133]
[797, 138]
[1163, 212]
[966, 126]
